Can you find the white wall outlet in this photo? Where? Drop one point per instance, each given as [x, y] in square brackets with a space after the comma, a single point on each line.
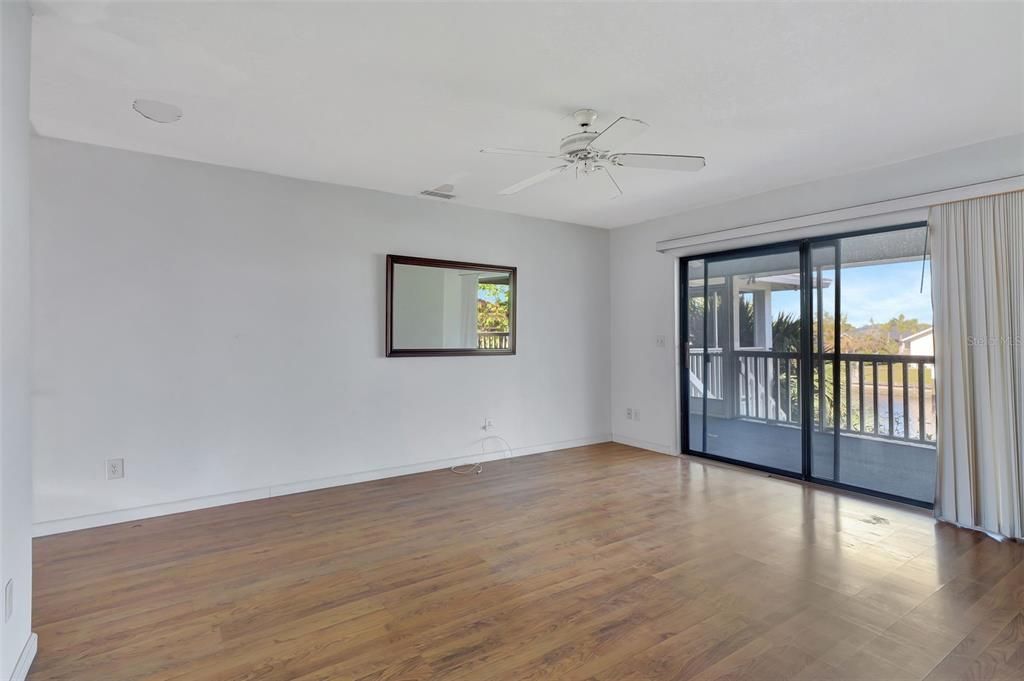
[115, 469]
[636, 414]
[629, 413]
[488, 424]
[659, 341]
[8, 599]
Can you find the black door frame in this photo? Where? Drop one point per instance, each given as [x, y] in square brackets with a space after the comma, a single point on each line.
[803, 247]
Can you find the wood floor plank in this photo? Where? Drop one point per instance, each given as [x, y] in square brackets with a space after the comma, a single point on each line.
[597, 563]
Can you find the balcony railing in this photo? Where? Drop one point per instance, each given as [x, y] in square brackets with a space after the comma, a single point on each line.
[706, 376]
[492, 340]
[885, 396]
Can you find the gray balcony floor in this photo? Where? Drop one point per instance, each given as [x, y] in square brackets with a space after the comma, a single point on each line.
[903, 469]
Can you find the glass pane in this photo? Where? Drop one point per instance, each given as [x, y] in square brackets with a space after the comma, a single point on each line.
[824, 382]
[888, 430]
[753, 393]
[446, 308]
[694, 287]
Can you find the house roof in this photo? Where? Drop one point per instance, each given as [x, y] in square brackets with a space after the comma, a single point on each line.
[914, 336]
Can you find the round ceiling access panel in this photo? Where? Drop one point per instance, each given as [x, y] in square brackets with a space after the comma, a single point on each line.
[159, 112]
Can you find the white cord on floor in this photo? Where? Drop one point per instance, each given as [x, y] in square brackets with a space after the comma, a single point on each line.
[478, 468]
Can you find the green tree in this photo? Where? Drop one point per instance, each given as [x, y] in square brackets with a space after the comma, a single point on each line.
[786, 333]
[492, 308]
[695, 320]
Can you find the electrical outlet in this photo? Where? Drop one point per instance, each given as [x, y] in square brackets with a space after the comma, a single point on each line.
[629, 413]
[488, 424]
[659, 341]
[636, 414]
[115, 469]
[8, 599]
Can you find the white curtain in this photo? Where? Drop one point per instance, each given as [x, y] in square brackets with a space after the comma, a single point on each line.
[978, 296]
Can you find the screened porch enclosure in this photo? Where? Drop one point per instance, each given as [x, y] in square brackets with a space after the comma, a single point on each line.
[871, 412]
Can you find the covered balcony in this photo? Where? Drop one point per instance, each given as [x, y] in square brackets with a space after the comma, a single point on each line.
[872, 403]
[887, 423]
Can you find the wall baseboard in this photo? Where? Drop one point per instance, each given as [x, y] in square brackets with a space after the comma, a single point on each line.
[48, 527]
[126, 515]
[644, 444]
[28, 654]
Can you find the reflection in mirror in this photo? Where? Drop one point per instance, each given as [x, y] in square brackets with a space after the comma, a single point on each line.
[443, 307]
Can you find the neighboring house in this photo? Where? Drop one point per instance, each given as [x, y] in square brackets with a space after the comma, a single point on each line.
[919, 343]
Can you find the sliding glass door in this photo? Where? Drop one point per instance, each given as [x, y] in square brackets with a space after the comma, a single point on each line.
[744, 366]
[885, 388]
[814, 359]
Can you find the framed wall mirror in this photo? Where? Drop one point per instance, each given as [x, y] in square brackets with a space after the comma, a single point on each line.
[446, 307]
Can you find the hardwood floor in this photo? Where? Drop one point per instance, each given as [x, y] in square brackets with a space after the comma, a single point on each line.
[602, 563]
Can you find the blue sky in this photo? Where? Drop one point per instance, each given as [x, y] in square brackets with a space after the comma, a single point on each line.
[488, 296]
[878, 292]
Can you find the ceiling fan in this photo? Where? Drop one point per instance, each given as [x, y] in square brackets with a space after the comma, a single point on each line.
[590, 152]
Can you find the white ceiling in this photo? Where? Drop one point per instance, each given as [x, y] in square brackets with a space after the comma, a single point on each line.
[400, 97]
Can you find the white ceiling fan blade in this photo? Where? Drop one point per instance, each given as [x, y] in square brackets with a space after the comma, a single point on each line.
[617, 191]
[530, 181]
[659, 161]
[518, 152]
[621, 130]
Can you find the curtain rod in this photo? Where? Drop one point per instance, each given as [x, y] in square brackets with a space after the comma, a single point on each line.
[983, 196]
[859, 210]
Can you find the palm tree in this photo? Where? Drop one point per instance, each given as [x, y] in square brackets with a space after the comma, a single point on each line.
[786, 333]
[786, 338]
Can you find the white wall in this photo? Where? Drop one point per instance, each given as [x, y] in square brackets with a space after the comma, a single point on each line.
[925, 345]
[16, 640]
[643, 289]
[222, 330]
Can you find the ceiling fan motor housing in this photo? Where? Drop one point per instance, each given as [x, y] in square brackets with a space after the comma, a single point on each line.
[576, 143]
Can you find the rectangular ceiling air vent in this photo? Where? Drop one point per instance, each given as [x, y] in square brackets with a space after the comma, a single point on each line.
[443, 191]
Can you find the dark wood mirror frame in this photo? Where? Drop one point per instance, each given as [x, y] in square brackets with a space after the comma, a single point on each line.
[389, 338]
